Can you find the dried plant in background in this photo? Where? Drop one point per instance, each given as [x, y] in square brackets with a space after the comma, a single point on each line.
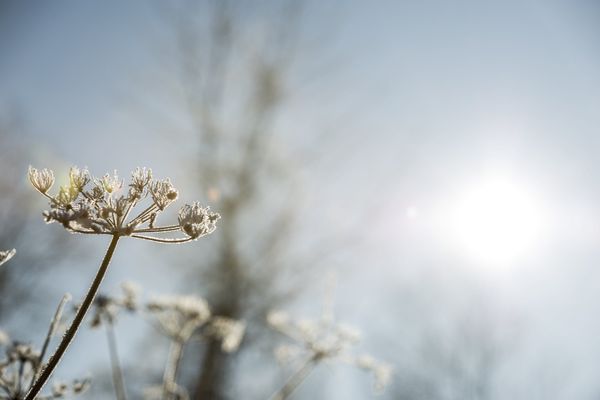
[180, 318]
[22, 364]
[98, 206]
[319, 341]
[104, 314]
[7, 255]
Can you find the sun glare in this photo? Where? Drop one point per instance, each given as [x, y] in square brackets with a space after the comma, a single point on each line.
[497, 221]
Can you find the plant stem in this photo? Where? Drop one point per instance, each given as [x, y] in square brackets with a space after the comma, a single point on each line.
[72, 330]
[172, 368]
[295, 380]
[115, 365]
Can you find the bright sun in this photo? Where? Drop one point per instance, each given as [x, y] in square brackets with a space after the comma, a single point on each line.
[496, 221]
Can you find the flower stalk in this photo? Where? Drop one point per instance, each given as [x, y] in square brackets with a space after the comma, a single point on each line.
[75, 324]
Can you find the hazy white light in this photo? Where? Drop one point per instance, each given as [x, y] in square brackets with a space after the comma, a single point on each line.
[412, 212]
[497, 221]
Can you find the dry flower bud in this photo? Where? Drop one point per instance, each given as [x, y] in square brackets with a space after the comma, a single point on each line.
[229, 331]
[197, 221]
[78, 178]
[163, 193]
[41, 180]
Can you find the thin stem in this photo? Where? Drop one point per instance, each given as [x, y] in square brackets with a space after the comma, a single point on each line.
[51, 331]
[169, 228]
[72, 330]
[295, 380]
[159, 240]
[172, 368]
[115, 365]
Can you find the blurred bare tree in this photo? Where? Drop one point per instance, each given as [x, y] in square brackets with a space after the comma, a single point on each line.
[233, 60]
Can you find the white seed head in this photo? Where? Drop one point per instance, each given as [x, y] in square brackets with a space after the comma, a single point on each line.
[41, 180]
[78, 178]
[163, 193]
[286, 353]
[111, 183]
[278, 319]
[348, 333]
[6, 255]
[229, 331]
[197, 221]
[140, 179]
[189, 307]
[382, 372]
[59, 389]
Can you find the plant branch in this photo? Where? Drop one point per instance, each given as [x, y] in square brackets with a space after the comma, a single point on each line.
[72, 330]
[115, 365]
[295, 380]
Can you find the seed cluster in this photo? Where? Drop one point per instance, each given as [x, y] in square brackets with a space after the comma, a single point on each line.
[91, 205]
[325, 340]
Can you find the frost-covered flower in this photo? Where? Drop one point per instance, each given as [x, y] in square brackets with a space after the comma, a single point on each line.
[78, 178]
[7, 255]
[229, 331]
[324, 339]
[197, 221]
[102, 209]
[42, 180]
[140, 179]
[382, 372]
[106, 308]
[163, 193]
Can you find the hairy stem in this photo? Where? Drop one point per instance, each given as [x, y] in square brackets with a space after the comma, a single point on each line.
[115, 364]
[72, 330]
[295, 380]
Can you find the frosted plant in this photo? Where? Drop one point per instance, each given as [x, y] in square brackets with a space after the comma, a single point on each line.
[317, 341]
[229, 331]
[22, 362]
[179, 318]
[105, 206]
[6, 255]
[97, 206]
[104, 313]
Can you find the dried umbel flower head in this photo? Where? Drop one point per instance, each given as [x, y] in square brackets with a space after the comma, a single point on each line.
[229, 331]
[7, 255]
[19, 367]
[324, 339]
[382, 372]
[62, 389]
[179, 316]
[197, 221]
[106, 308]
[98, 206]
